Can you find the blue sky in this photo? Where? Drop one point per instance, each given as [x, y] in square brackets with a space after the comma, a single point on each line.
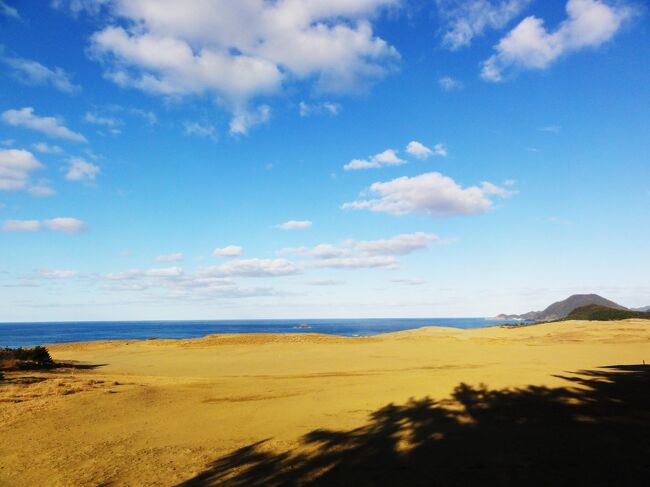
[311, 158]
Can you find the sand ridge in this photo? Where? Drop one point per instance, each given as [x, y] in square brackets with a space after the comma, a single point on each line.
[156, 412]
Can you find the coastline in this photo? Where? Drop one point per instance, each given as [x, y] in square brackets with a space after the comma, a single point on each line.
[161, 411]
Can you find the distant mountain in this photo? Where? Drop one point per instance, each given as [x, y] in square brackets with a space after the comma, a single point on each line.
[561, 309]
[594, 312]
[642, 308]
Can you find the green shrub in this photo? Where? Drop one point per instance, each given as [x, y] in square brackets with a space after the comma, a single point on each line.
[16, 356]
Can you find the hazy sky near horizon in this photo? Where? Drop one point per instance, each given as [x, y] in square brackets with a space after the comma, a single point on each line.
[321, 158]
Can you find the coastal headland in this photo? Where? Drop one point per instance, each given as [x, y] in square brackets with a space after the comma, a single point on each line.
[264, 409]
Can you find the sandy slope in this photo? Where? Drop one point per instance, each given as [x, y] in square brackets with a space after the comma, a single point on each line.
[156, 412]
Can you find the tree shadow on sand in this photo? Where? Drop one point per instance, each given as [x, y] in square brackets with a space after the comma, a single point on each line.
[596, 432]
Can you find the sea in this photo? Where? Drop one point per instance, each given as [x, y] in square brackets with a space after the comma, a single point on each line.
[32, 334]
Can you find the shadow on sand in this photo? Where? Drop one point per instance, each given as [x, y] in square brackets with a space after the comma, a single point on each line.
[42, 368]
[595, 432]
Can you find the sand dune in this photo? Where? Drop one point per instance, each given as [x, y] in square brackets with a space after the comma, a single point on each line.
[160, 412]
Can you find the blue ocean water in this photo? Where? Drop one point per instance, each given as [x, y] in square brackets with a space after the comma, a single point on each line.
[31, 334]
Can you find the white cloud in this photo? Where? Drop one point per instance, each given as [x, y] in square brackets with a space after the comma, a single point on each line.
[530, 45]
[7, 142]
[295, 225]
[243, 120]
[358, 262]
[160, 273]
[96, 119]
[81, 170]
[447, 83]
[16, 167]
[398, 245]
[228, 251]
[8, 10]
[235, 51]
[176, 257]
[418, 150]
[164, 272]
[44, 148]
[364, 254]
[201, 130]
[431, 194]
[59, 225]
[64, 225]
[252, 268]
[57, 274]
[21, 226]
[466, 19]
[50, 126]
[34, 73]
[387, 158]
[324, 282]
[41, 190]
[553, 129]
[409, 281]
[440, 150]
[326, 107]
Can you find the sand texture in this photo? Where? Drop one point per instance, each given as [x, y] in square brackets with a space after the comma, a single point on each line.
[324, 410]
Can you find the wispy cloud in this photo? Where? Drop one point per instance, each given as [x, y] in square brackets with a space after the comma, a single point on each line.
[326, 108]
[35, 73]
[295, 225]
[51, 126]
[466, 19]
[58, 225]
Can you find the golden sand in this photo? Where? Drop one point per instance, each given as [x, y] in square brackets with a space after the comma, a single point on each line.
[157, 412]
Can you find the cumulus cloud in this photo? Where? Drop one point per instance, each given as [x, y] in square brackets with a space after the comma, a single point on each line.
[252, 268]
[59, 225]
[387, 158]
[176, 257]
[16, 167]
[466, 19]
[326, 107]
[447, 83]
[418, 150]
[45, 148]
[81, 170]
[228, 251]
[235, 51]
[34, 73]
[50, 126]
[431, 194]
[530, 45]
[295, 225]
[201, 130]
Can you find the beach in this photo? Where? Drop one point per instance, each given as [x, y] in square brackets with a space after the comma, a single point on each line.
[203, 411]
